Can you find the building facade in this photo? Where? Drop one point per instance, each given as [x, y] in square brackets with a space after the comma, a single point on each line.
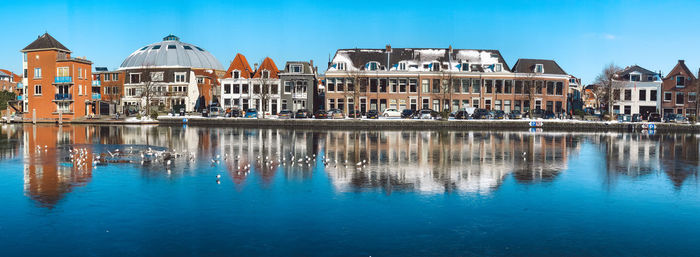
[637, 92]
[57, 85]
[243, 88]
[680, 91]
[107, 90]
[172, 75]
[298, 80]
[441, 79]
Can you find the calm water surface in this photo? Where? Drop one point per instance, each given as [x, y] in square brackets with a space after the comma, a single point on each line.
[418, 194]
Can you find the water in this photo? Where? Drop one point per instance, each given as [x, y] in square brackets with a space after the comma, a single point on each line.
[419, 194]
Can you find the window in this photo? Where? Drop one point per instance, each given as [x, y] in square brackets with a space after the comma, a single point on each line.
[339, 85]
[37, 73]
[497, 67]
[402, 85]
[134, 78]
[652, 95]
[680, 81]
[80, 89]
[518, 87]
[475, 102]
[642, 95]
[435, 66]
[464, 66]
[227, 88]
[413, 85]
[436, 86]
[373, 83]
[499, 86]
[616, 94]
[265, 74]
[97, 76]
[538, 87]
[465, 85]
[288, 86]
[425, 86]
[635, 77]
[200, 80]
[25, 73]
[187, 47]
[115, 76]
[667, 96]
[340, 66]
[63, 107]
[372, 66]
[539, 68]
[628, 95]
[155, 47]
[508, 87]
[476, 86]
[679, 98]
[330, 85]
[179, 77]
[62, 72]
[559, 88]
[171, 46]
[488, 84]
[295, 69]
[402, 66]
[692, 97]
[550, 88]
[37, 89]
[80, 73]
[236, 74]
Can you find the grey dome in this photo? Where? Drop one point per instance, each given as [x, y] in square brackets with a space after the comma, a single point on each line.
[171, 53]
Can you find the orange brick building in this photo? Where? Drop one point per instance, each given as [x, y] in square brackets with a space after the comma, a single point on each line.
[58, 85]
[107, 90]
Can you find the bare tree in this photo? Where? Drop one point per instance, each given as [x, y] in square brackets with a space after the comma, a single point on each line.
[353, 88]
[607, 88]
[148, 89]
[530, 89]
[446, 86]
[263, 92]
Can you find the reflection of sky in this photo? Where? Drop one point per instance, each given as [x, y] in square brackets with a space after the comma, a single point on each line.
[124, 209]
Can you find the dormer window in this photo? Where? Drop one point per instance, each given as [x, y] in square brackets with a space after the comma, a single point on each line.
[402, 66]
[340, 66]
[373, 66]
[236, 74]
[464, 66]
[435, 66]
[498, 67]
[539, 68]
[635, 77]
[295, 68]
[265, 74]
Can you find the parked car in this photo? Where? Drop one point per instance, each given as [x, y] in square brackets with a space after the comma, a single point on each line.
[655, 117]
[251, 113]
[481, 114]
[354, 114]
[499, 115]
[391, 113]
[407, 113]
[462, 115]
[548, 115]
[285, 114]
[425, 114]
[336, 114]
[303, 114]
[537, 114]
[235, 113]
[321, 114]
[515, 114]
[681, 119]
[636, 117]
[670, 117]
[372, 114]
[215, 111]
[624, 117]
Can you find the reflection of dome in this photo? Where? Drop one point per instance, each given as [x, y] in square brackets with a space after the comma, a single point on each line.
[171, 53]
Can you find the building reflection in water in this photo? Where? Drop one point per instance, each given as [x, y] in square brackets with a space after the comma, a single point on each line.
[472, 162]
[421, 161]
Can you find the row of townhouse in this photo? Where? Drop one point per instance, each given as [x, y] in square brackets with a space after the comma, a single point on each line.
[442, 79]
[640, 91]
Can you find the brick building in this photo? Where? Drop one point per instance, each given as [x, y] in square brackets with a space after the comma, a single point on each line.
[679, 91]
[243, 87]
[58, 85]
[107, 90]
[441, 79]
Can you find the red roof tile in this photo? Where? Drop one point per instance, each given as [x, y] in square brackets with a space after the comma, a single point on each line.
[267, 64]
[239, 63]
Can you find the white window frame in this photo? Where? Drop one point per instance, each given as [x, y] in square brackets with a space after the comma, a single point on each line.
[340, 66]
[539, 68]
[465, 65]
[376, 68]
[35, 89]
[184, 77]
[236, 74]
[294, 66]
[402, 65]
[497, 67]
[37, 73]
[670, 94]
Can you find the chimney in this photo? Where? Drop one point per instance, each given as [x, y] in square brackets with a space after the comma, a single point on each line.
[681, 61]
[388, 48]
[256, 66]
[450, 49]
[311, 63]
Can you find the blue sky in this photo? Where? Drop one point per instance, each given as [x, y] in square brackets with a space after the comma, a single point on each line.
[582, 36]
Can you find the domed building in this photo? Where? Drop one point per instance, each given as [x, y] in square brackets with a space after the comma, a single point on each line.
[171, 75]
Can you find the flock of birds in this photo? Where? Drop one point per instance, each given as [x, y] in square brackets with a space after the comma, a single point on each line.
[81, 157]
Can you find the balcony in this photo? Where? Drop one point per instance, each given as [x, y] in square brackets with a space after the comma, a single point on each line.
[63, 97]
[96, 83]
[20, 98]
[58, 80]
[96, 96]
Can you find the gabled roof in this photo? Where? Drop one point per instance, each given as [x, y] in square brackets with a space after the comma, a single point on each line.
[267, 64]
[45, 42]
[15, 77]
[528, 66]
[239, 63]
[679, 66]
[636, 68]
